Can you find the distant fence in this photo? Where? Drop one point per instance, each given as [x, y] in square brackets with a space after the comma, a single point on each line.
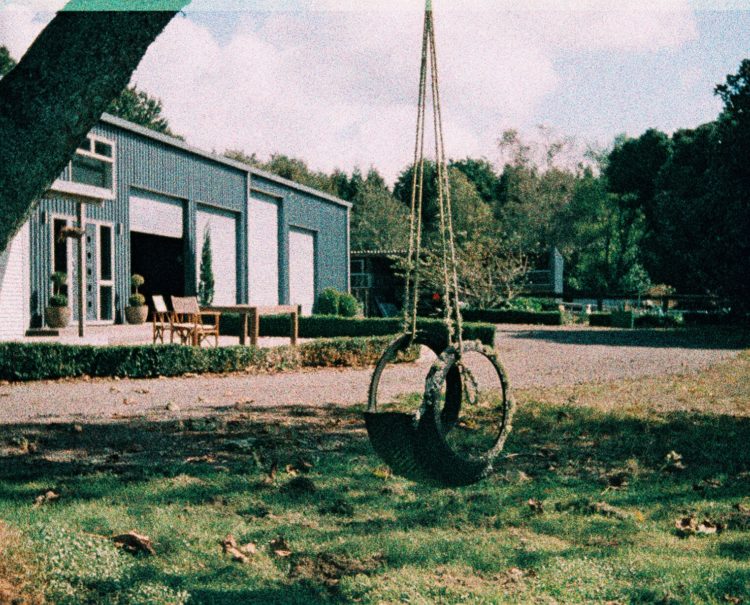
[666, 302]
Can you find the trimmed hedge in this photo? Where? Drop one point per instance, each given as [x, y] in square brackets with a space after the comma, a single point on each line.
[326, 326]
[647, 320]
[600, 320]
[39, 361]
[511, 316]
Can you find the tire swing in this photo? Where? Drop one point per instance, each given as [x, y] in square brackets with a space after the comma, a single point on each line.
[418, 445]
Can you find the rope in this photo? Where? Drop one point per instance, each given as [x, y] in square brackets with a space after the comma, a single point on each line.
[452, 309]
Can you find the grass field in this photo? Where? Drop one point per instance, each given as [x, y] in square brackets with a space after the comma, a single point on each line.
[582, 509]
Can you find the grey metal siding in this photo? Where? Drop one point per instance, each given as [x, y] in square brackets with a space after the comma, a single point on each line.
[155, 166]
[329, 221]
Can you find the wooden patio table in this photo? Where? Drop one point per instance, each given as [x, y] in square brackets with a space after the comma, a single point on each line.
[251, 314]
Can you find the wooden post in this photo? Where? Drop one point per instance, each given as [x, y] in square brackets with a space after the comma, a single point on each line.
[81, 212]
[243, 329]
[255, 327]
[294, 327]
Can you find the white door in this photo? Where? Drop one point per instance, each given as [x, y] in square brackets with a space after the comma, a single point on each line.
[222, 226]
[14, 286]
[157, 216]
[264, 253]
[302, 270]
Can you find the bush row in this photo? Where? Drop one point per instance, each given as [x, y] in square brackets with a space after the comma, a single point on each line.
[38, 361]
[326, 326]
[511, 316]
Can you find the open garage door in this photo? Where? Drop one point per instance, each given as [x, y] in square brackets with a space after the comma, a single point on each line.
[223, 229]
[157, 245]
[302, 269]
[264, 252]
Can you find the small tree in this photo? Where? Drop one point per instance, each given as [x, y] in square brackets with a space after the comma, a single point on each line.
[207, 282]
[137, 299]
[58, 299]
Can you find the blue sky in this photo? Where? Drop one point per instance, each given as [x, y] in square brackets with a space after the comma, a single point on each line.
[337, 87]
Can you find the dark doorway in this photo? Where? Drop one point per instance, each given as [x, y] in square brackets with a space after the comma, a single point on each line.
[161, 261]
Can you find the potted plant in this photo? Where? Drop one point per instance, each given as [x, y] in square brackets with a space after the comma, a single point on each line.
[136, 312]
[57, 313]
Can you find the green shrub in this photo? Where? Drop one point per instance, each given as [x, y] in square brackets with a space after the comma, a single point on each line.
[623, 319]
[137, 281]
[58, 300]
[326, 326]
[348, 305]
[511, 316]
[601, 320]
[137, 300]
[658, 320]
[40, 361]
[328, 302]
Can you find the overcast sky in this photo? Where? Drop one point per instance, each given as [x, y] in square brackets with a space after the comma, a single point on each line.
[329, 82]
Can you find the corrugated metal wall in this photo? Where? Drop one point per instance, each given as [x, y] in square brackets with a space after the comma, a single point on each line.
[150, 165]
[330, 223]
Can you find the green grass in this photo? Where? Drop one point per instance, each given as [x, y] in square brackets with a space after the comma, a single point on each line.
[357, 534]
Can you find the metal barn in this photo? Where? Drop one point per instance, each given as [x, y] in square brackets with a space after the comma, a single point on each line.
[273, 241]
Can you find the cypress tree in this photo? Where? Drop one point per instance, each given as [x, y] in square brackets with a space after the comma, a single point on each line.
[206, 283]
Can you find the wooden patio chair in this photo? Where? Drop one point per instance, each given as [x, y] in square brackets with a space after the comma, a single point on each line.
[187, 321]
[160, 319]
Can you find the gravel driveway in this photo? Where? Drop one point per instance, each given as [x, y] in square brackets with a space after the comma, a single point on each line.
[533, 356]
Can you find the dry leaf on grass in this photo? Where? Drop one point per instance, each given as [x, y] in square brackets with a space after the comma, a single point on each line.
[382, 472]
[134, 543]
[673, 462]
[46, 498]
[241, 554]
[536, 506]
[689, 526]
[280, 547]
[207, 458]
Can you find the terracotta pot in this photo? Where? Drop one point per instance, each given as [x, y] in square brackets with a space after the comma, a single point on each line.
[57, 317]
[136, 315]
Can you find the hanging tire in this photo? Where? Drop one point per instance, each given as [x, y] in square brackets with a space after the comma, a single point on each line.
[394, 434]
[435, 455]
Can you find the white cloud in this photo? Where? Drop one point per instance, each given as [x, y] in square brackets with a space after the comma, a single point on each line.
[338, 87]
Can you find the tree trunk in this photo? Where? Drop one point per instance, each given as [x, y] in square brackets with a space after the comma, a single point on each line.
[58, 92]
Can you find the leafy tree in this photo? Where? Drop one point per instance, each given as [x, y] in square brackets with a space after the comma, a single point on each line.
[58, 91]
[482, 175]
[240, 156]
[206, 282]
[378, 220]
[298, 171]
[6, 61]
[139, 107]
[607, 229]
[683, 209]
[470, 212]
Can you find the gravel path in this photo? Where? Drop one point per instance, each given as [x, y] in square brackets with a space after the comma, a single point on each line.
[533, 356]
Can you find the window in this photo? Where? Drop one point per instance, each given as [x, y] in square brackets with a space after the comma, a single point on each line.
[106, 281]
[60, 250]
[91, 170]
[359, 276]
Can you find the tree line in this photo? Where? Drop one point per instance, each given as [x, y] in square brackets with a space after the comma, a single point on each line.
[657, 209]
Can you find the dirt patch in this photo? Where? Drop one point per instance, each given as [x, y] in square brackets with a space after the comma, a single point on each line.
[329, 568]
[18, 583]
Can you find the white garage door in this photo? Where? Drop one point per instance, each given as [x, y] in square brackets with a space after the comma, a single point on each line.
[14, 286]
[264, 253]
[157, 216]
[223, 229]
[302, 270]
